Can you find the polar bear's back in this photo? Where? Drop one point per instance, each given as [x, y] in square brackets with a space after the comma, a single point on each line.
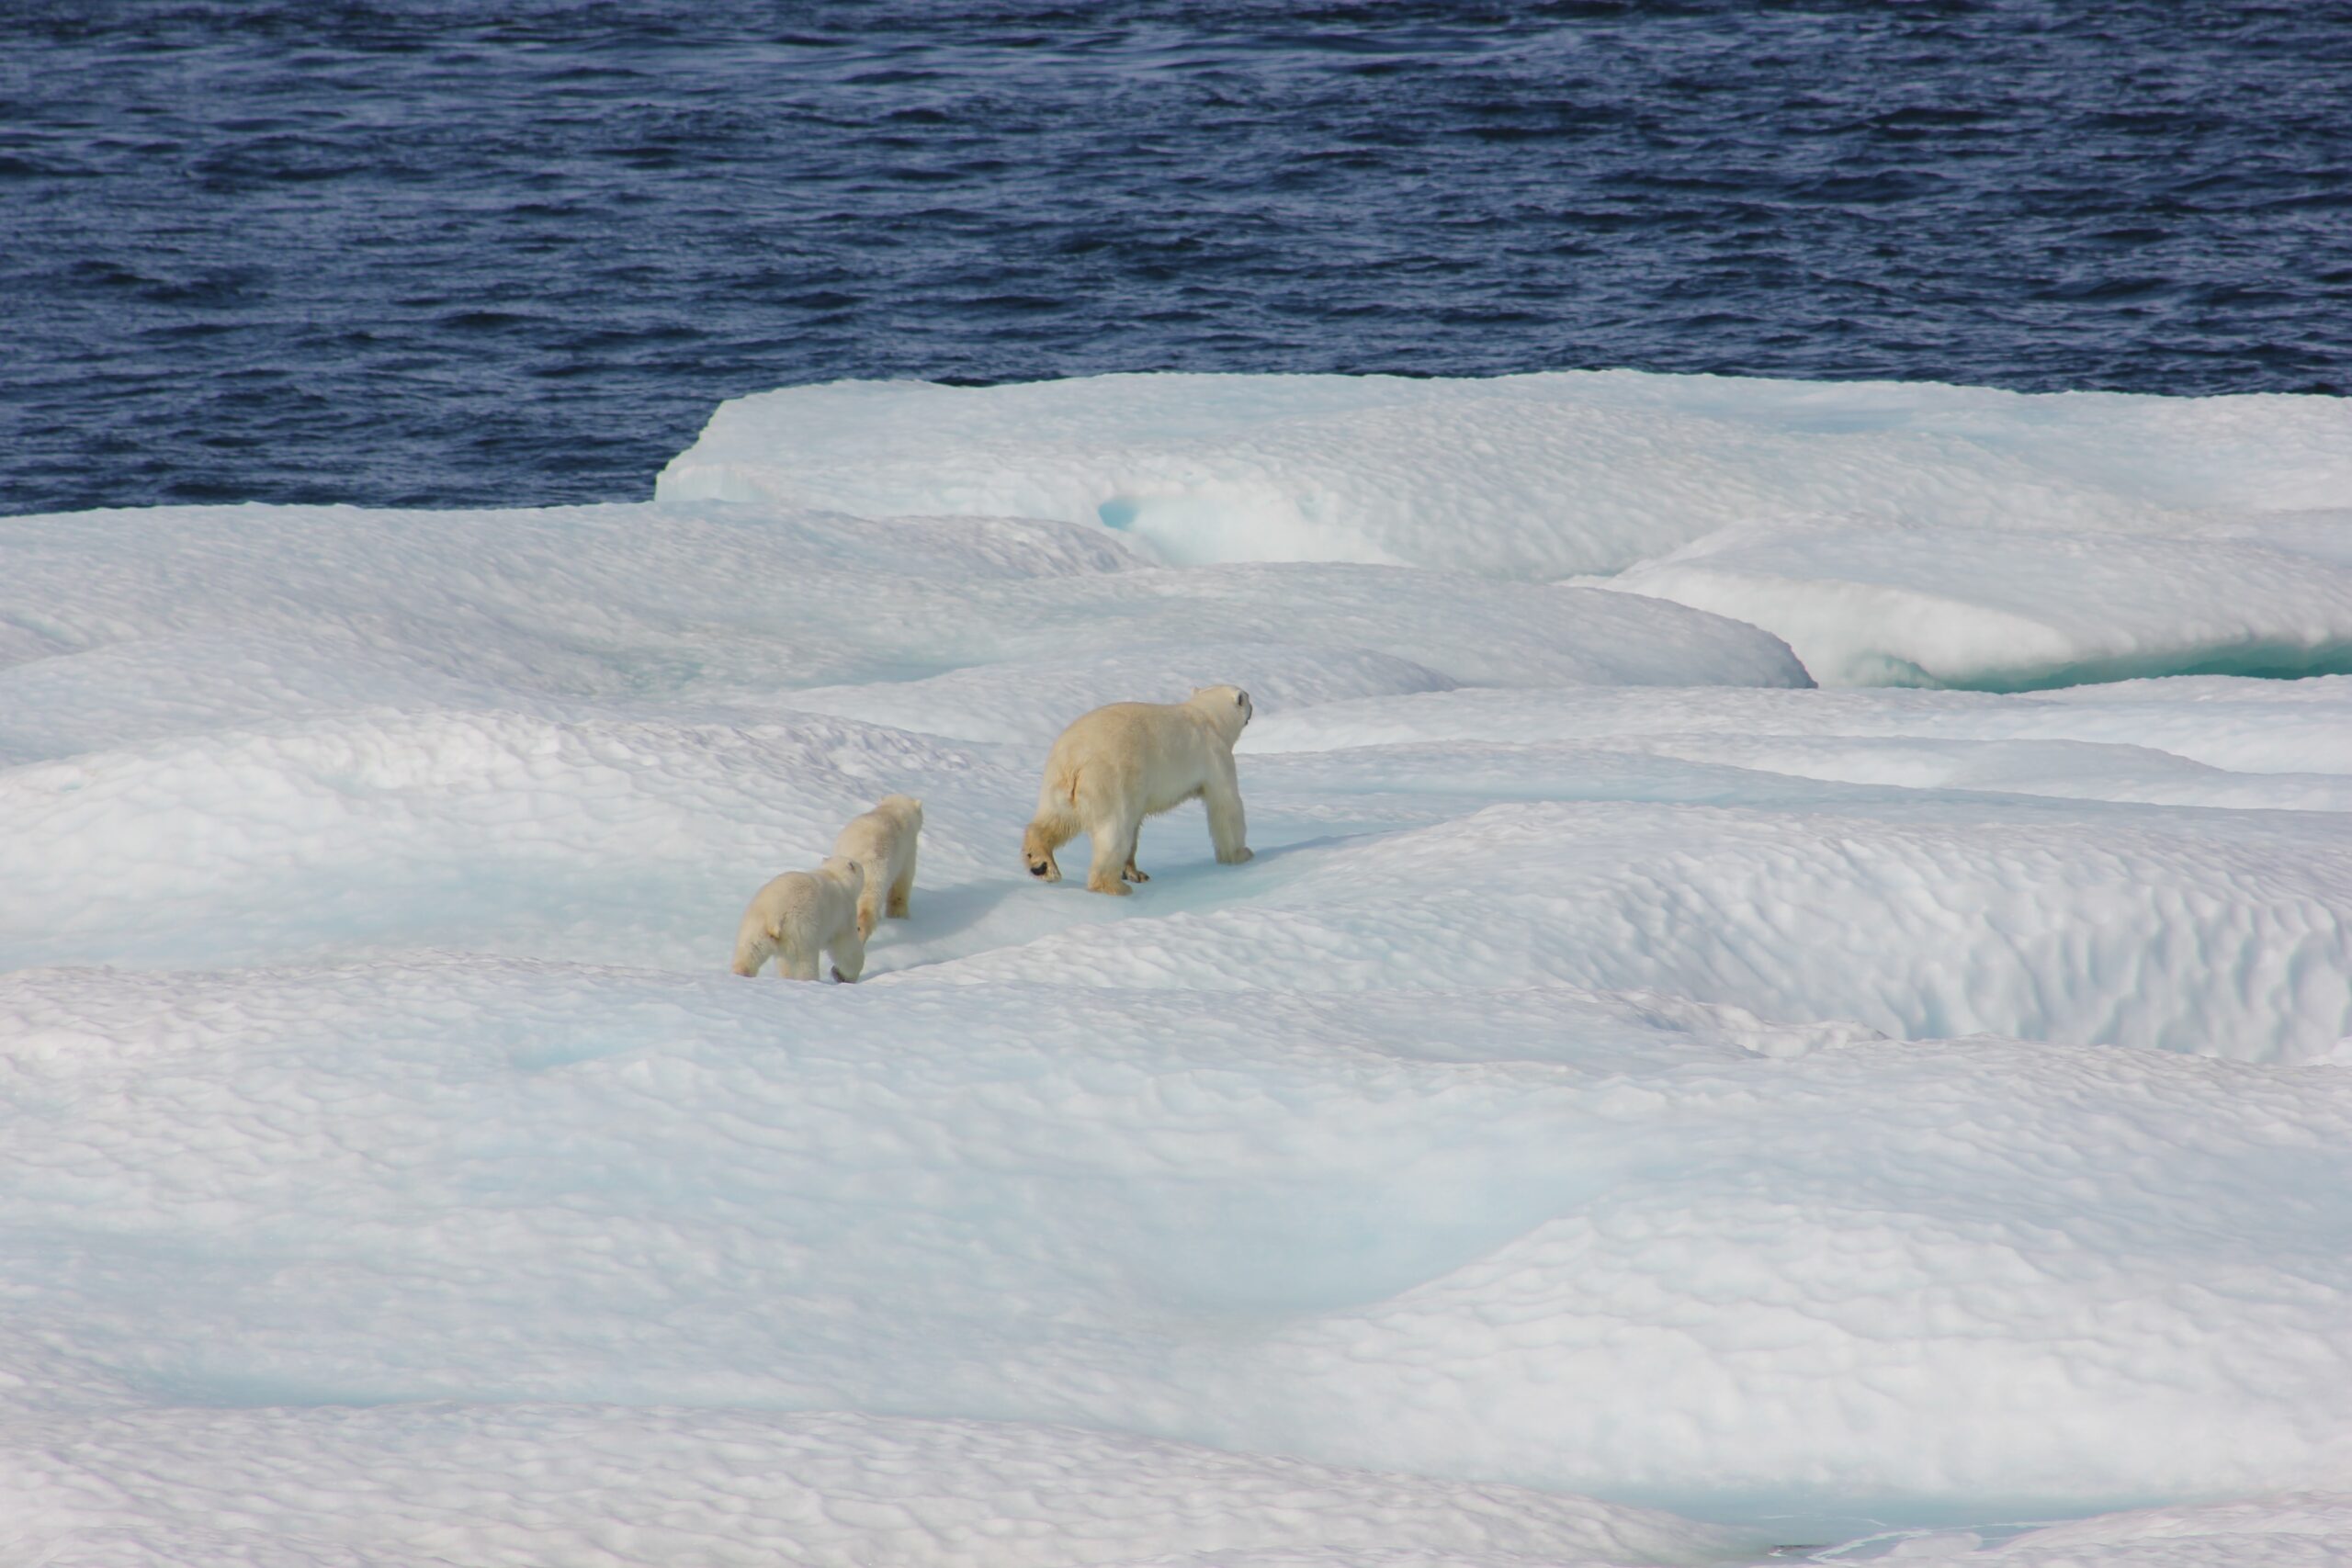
[803, 901]
[882, 840]
[795, 916]
[796, 895]
[1155, 753]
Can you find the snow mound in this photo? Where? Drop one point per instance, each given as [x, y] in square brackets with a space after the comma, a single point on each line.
[2228, 937]
[2250, 732]
[316, 611]
[308, 609]
[1880, 605]
[1537, 475]
[1300, 637]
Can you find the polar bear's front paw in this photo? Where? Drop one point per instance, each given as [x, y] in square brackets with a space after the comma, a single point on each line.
[1116, 889]
[1237, 856]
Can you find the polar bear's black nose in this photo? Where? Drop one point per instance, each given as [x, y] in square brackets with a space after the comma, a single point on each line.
[1037, 870]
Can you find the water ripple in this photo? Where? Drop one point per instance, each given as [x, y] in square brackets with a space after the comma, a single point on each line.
[407, 253]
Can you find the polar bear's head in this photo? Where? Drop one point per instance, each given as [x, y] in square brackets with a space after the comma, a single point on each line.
[1227, 708]
[903, 810]
[842, 869]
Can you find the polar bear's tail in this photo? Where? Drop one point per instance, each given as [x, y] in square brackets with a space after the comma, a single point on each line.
[756, 942]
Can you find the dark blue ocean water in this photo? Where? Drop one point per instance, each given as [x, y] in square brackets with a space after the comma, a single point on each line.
[470, 252]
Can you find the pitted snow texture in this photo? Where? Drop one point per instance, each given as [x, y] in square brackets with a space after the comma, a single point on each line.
[506, 1486]
[1576, 1241]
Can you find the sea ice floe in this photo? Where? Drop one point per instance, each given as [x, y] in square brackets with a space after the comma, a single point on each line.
[1626, 1074]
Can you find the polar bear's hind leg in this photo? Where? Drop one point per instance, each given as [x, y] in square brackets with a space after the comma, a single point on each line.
[1115, 850]
[849, 958]
[902, 888]
[755, 943]
[1048, 833]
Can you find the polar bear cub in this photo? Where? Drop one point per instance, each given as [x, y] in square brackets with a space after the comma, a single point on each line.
[798, 913]
[1117, 765]
[883, 842]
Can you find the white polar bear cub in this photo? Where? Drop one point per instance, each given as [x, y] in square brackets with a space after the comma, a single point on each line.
[1117, 765]
[799, 912]
[883, 842]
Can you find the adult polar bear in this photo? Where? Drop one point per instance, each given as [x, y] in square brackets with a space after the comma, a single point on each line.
[1117, 765]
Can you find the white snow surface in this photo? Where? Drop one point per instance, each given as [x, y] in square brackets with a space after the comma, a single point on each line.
[1636, 1106]
[1893, 534]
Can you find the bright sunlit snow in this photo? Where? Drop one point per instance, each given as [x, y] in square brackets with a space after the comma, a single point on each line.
[1638, 1107]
